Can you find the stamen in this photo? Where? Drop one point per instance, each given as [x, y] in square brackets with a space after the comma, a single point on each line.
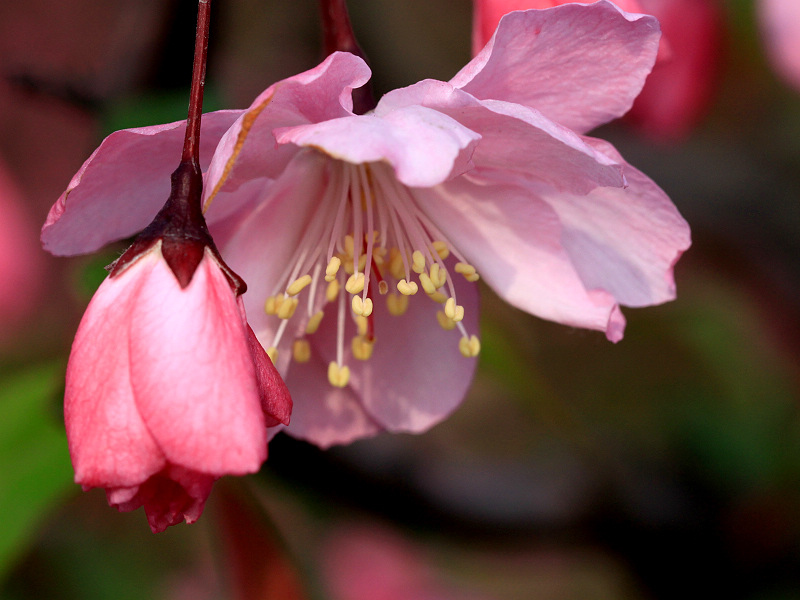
[298, 285]
[397, 304]
[332, 268]
[272, 304]
[453, 310]
[441, 249]
[445, 322]
[427, 284]
[338, 375]
[418, 262]
[361, 306]
[332, 291]
[362, 347]
[272, 352]
[407, 288]
[438, 297]
[301, 350]
[469, 346]
[313, 322]
[438, 275]
[383, 288]
[355, 283]
[287, 308]
[362, 324]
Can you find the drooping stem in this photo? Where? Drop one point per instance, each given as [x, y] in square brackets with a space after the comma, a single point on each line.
[191, 143]
[338, 35]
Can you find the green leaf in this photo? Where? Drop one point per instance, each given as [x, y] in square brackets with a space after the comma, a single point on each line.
[33, 451]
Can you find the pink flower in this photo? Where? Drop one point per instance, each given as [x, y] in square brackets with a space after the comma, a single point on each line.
[681, 87]
[20, 259]
[167, 389]
[486, 14]
[780, 22]
[342, 224]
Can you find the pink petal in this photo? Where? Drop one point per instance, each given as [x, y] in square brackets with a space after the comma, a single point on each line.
[515, 139]
[513, 238]
[262, 246]
[249, 151]
[109, 443]
[487, 14]
[780, 22]
[623, 241]
[415, 378]
[275, 399]
[192, 372]
[424, 146]
[581, 66]
[123, 184]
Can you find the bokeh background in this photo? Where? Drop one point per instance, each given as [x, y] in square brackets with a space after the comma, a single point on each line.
[666, 466]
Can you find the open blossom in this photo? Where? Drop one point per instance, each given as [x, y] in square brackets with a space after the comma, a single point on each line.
[780, 22]
[167, 388]
[362, 236]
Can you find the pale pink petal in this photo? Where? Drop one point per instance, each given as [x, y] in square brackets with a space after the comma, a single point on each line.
[109, 443]
[417, 375]
[123, 184]
[262, 246]
[415, 378]
[192, 373]
[322, 414]
[248, 150]
[487, 14]
[516, 139]
[780, 22]
[581, 66]
[513, 238]
[623, 241]
[424, 146]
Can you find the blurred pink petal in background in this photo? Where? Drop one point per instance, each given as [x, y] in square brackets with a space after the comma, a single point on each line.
[780, 23]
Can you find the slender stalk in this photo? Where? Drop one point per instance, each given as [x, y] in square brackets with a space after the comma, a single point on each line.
[191, 143]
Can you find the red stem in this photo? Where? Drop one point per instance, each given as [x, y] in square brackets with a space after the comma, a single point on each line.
[191, 143]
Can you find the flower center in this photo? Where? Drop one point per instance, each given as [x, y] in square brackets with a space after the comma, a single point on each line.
[368, 241]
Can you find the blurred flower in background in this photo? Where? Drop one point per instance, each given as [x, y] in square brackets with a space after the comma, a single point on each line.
[780, 24]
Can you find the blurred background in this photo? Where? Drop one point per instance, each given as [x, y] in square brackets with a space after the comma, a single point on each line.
[666, 466]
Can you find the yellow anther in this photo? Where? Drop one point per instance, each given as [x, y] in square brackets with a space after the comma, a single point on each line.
[407, 288]
[349, 245]
[453, 310]
[313, 322]
[362, 324]
[362, 307]
[272, 352]
[347, 265]
[338, 375]
[441, 249]
[469, 346]
[298, 285]
[417, 262]
[437, 275]
[272, 305]
[375, 237]
[396, 265]
[362, 262]
[355, 283]
[438, 297]
[427, 284]
[468, 271]
[362, 347]
[332, 291]
[332, 268]
[472, 278]
[287, 307]
[444, 321]
[397, 304]
[301, 351]
[383, 288]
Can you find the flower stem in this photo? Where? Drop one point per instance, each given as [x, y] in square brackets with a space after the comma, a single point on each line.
[191, 143]
[338, 36]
